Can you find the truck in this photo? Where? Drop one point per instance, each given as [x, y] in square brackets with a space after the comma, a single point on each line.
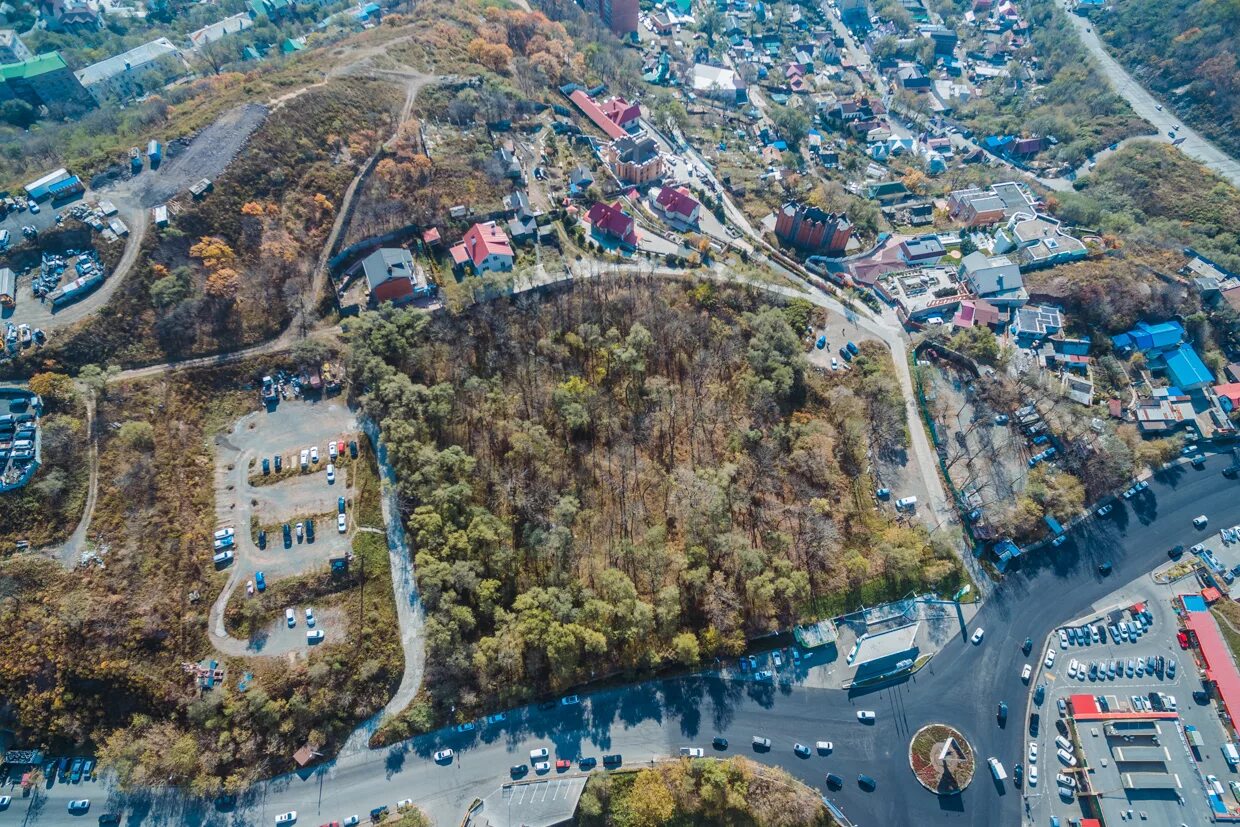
[154, 152]
[996, 769]
[269, 389]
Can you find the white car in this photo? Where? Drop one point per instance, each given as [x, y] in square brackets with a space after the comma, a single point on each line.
[866, 715]
[444, 755]
[1050, 658]
[331, 451]
[5, 801]
[331, 474]
[692, 752]
[314, 635]
[310, 617]
[542, 766]
[1067, 758]
[404, 804]
[290, 618]
[1072, 668]
[287, 818]
[1063, 639]
[540, 754]
[824, 746]
[1200, 521]
[1033, 775]
[79, 805]
[352, 821]
[835, 363]
[1065, 781]
[1033, 752]
[314, 453]
[342, 525]
[977, 636]
[1026, 672]
[305, 457]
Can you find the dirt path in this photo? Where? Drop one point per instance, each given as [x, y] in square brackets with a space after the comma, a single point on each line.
[69, 553]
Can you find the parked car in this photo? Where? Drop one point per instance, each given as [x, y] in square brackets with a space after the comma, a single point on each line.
[314, 453]
[588, 763]
[613, 760]
[719, 743]
[342, 525]
[266, 466]
[79, 805]
[260, 580]
[331, 474]
[866, 716]
[287, 818]
[314, 635]
[540, 754]
[443, 756]
[262, 538]
[288, 535]
[977, 635]
[569, 700]
[340, 505]
[290, 618]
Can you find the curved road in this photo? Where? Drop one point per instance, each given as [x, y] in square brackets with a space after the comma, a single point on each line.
[961, 686]
[1143, 103]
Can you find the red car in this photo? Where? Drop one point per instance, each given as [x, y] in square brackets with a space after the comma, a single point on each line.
[340, 447]
[1183, 639]
[562, 764]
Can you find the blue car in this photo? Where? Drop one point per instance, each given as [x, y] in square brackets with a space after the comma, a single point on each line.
[340, 505]
[260, 581]
[821, 343]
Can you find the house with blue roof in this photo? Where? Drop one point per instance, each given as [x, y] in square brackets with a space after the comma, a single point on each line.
[1186, 370]
[1149, 338]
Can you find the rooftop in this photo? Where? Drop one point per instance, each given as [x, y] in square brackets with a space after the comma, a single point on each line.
[135, 58]
[37, 65]
[885, 645]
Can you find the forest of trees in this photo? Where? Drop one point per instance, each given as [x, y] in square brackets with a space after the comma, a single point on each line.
[624, 475]
[720, 793]
[1185, 51]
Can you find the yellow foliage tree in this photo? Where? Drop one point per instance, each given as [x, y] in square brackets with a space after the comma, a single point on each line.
[650, 802]
[223, 283]
[214, 252]
[494, 56]
[252, 208]
[323, 202]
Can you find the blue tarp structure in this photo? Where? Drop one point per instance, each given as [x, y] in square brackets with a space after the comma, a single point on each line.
[1053, 524]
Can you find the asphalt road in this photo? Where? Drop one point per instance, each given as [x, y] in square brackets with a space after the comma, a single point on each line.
[1143, 103]
[961, 686]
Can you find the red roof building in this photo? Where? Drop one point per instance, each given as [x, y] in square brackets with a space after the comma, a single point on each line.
[611, 221]
[485, 247]
[677, 204]
[620, 112]
[1228, 396]
[1220, 668]
[431, 236]
[592, 111]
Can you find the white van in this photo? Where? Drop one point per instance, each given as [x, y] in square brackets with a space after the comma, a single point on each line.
[1063, 743]
[906, 503]
[223, 558]
[1230, 753]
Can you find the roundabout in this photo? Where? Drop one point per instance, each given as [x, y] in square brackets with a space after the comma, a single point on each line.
[942, 759]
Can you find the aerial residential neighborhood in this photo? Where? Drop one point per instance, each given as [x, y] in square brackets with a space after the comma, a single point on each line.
[618, 412]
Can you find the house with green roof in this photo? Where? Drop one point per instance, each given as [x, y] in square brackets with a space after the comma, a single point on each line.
[46, 83]
[271, 9]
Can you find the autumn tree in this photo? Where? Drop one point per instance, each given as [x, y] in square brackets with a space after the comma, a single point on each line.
[494, 56]
[55, 388]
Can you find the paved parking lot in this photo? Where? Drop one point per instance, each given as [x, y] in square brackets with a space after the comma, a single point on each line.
[1183, 800]
[291, 426]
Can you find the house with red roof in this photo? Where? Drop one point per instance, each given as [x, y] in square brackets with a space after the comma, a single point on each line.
[677, 206]
[485, 248]
[611, 221]
[622, 113]
[1228, 396]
